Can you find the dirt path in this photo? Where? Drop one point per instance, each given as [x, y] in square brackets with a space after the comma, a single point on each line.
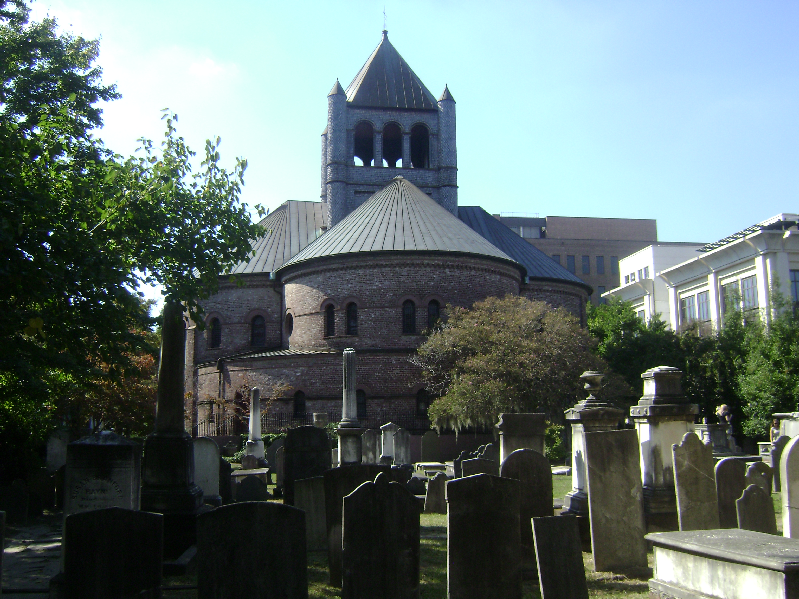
[31, 556]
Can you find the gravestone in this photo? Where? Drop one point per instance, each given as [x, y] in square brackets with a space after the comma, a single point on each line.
[369, 450]
[255, 444]
[561, 574]
[615, 500]
[254, 549]
[206, 469]
[272, 450]
[416, 485]
[760, 474]
[694, 479]
[532, 470]
[457, 463]
[340, 482]
[431, 447]
[380, 556]
[112, 552]
[252, 488]
[755, 511]
[402, 447]
[14, 501]
[349, 451]
[249, 462]
[320, 419]
[776, 458]
[387, 442]
[789, 482]
[334, 458]
[103, 470]
[309, 496]
[520, 431]
[474, 466]
[490, 451]
[306, 454]
[730, 484]
[225, 481]
[435, 500]
[57, 450]
[280, 468]
[483, 550]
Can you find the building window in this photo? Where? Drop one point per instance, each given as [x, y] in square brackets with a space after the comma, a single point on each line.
[392, 145]
[330, 321]
[364, 144]
[730, 297]
[215, 333]
[795, 286]
[600, 265]
[640, 275]
[614, 265]
[360, 401]
[632, 277]
[433, 314]
[422, 403]
[299, 404]
[556, 258]
[408, 318]
[641, 314]
[687, 309]
[258, 332]
[570, 264]
[352, 319]
[749, 292]
[626, 279]
[600, 290]
[420, 147]
[646, 272]
[703, 306]
[586, 265]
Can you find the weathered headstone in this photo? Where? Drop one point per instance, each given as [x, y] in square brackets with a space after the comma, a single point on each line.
[271, 451]
[697, 505]
[457, 463]
[402, 446]
[760, 474]
[306, 454]
[789, 481]
[776, 458]
[561, 574]
[380, 555]
[112, 552]
[431, 447]
[755, 511]
[532, 470]
[416, 485]
[309, 496]
[615, 500]
[435, 501]
[369, 451]
[255, 444]
[280, 467]
[206, 469]
[340, 482]
[254, 549]
[483, 550]
[490, 451]
[520, 431]
[320, 419]
[387, 441]
[474, 466]
[251, 488]
[730, 484]
[249, 462]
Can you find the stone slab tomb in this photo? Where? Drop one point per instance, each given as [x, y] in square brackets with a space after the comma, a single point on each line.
[113, 552]
[483, 546]
[760, 474]
[730, 484]
[724, 564]
[306, 454]
[615, 500]
[789, 482]
[694, 479]
[435, 500]
[474, 466]
[380, 542]
[309, 496]
[250, 550]
[431, 447]
[561, 574]
[206, 469]
[534, 473]
[755, 511]
[370, 453]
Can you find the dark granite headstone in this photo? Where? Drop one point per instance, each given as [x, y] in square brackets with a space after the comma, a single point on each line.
[254, 549]
[340, 482]
[113, 552]
[252, 488]
[532, 470]
[776, 455]
[760, 474]
[561, 574]
[474, 466]
[435, 501]
[694, 480]
[755, 511]
[380, 542]
[431, 447]
[730, 484]
[309, 496]
[483, 549]
[306, 454]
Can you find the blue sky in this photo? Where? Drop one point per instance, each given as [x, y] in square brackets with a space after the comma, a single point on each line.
[685, 112]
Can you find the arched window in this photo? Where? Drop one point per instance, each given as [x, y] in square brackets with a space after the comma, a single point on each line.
[360, 398]
[420, 147]
[364, 143]
[422, 403]
[392, 144]
[433, 313]
[258, 332]
[330, 321]
[352, 319]
[408, 317]
[299, 404]
[215, 333]
[289, 325]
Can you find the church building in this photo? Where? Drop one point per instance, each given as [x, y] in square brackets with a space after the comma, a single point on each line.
[370, 266]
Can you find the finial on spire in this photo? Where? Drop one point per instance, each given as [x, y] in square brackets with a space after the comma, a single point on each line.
[385, 29]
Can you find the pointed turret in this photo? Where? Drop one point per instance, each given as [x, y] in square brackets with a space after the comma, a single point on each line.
[337, 90]
[446, 95]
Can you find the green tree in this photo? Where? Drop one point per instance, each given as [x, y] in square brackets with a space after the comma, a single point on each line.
[504, 355]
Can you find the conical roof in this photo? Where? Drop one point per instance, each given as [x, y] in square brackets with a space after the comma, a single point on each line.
[386, 81]
[400, 218]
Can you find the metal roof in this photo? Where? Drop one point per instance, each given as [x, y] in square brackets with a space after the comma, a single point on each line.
[386, 81]
[399, 218]
[537, 263]
[779, 222]
[288, 229]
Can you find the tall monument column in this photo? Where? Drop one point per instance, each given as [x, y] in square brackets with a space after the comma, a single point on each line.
[349, 429]
[255, 444]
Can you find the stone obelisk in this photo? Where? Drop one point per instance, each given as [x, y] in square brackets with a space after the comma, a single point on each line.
[349, 429]
[255, 444]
